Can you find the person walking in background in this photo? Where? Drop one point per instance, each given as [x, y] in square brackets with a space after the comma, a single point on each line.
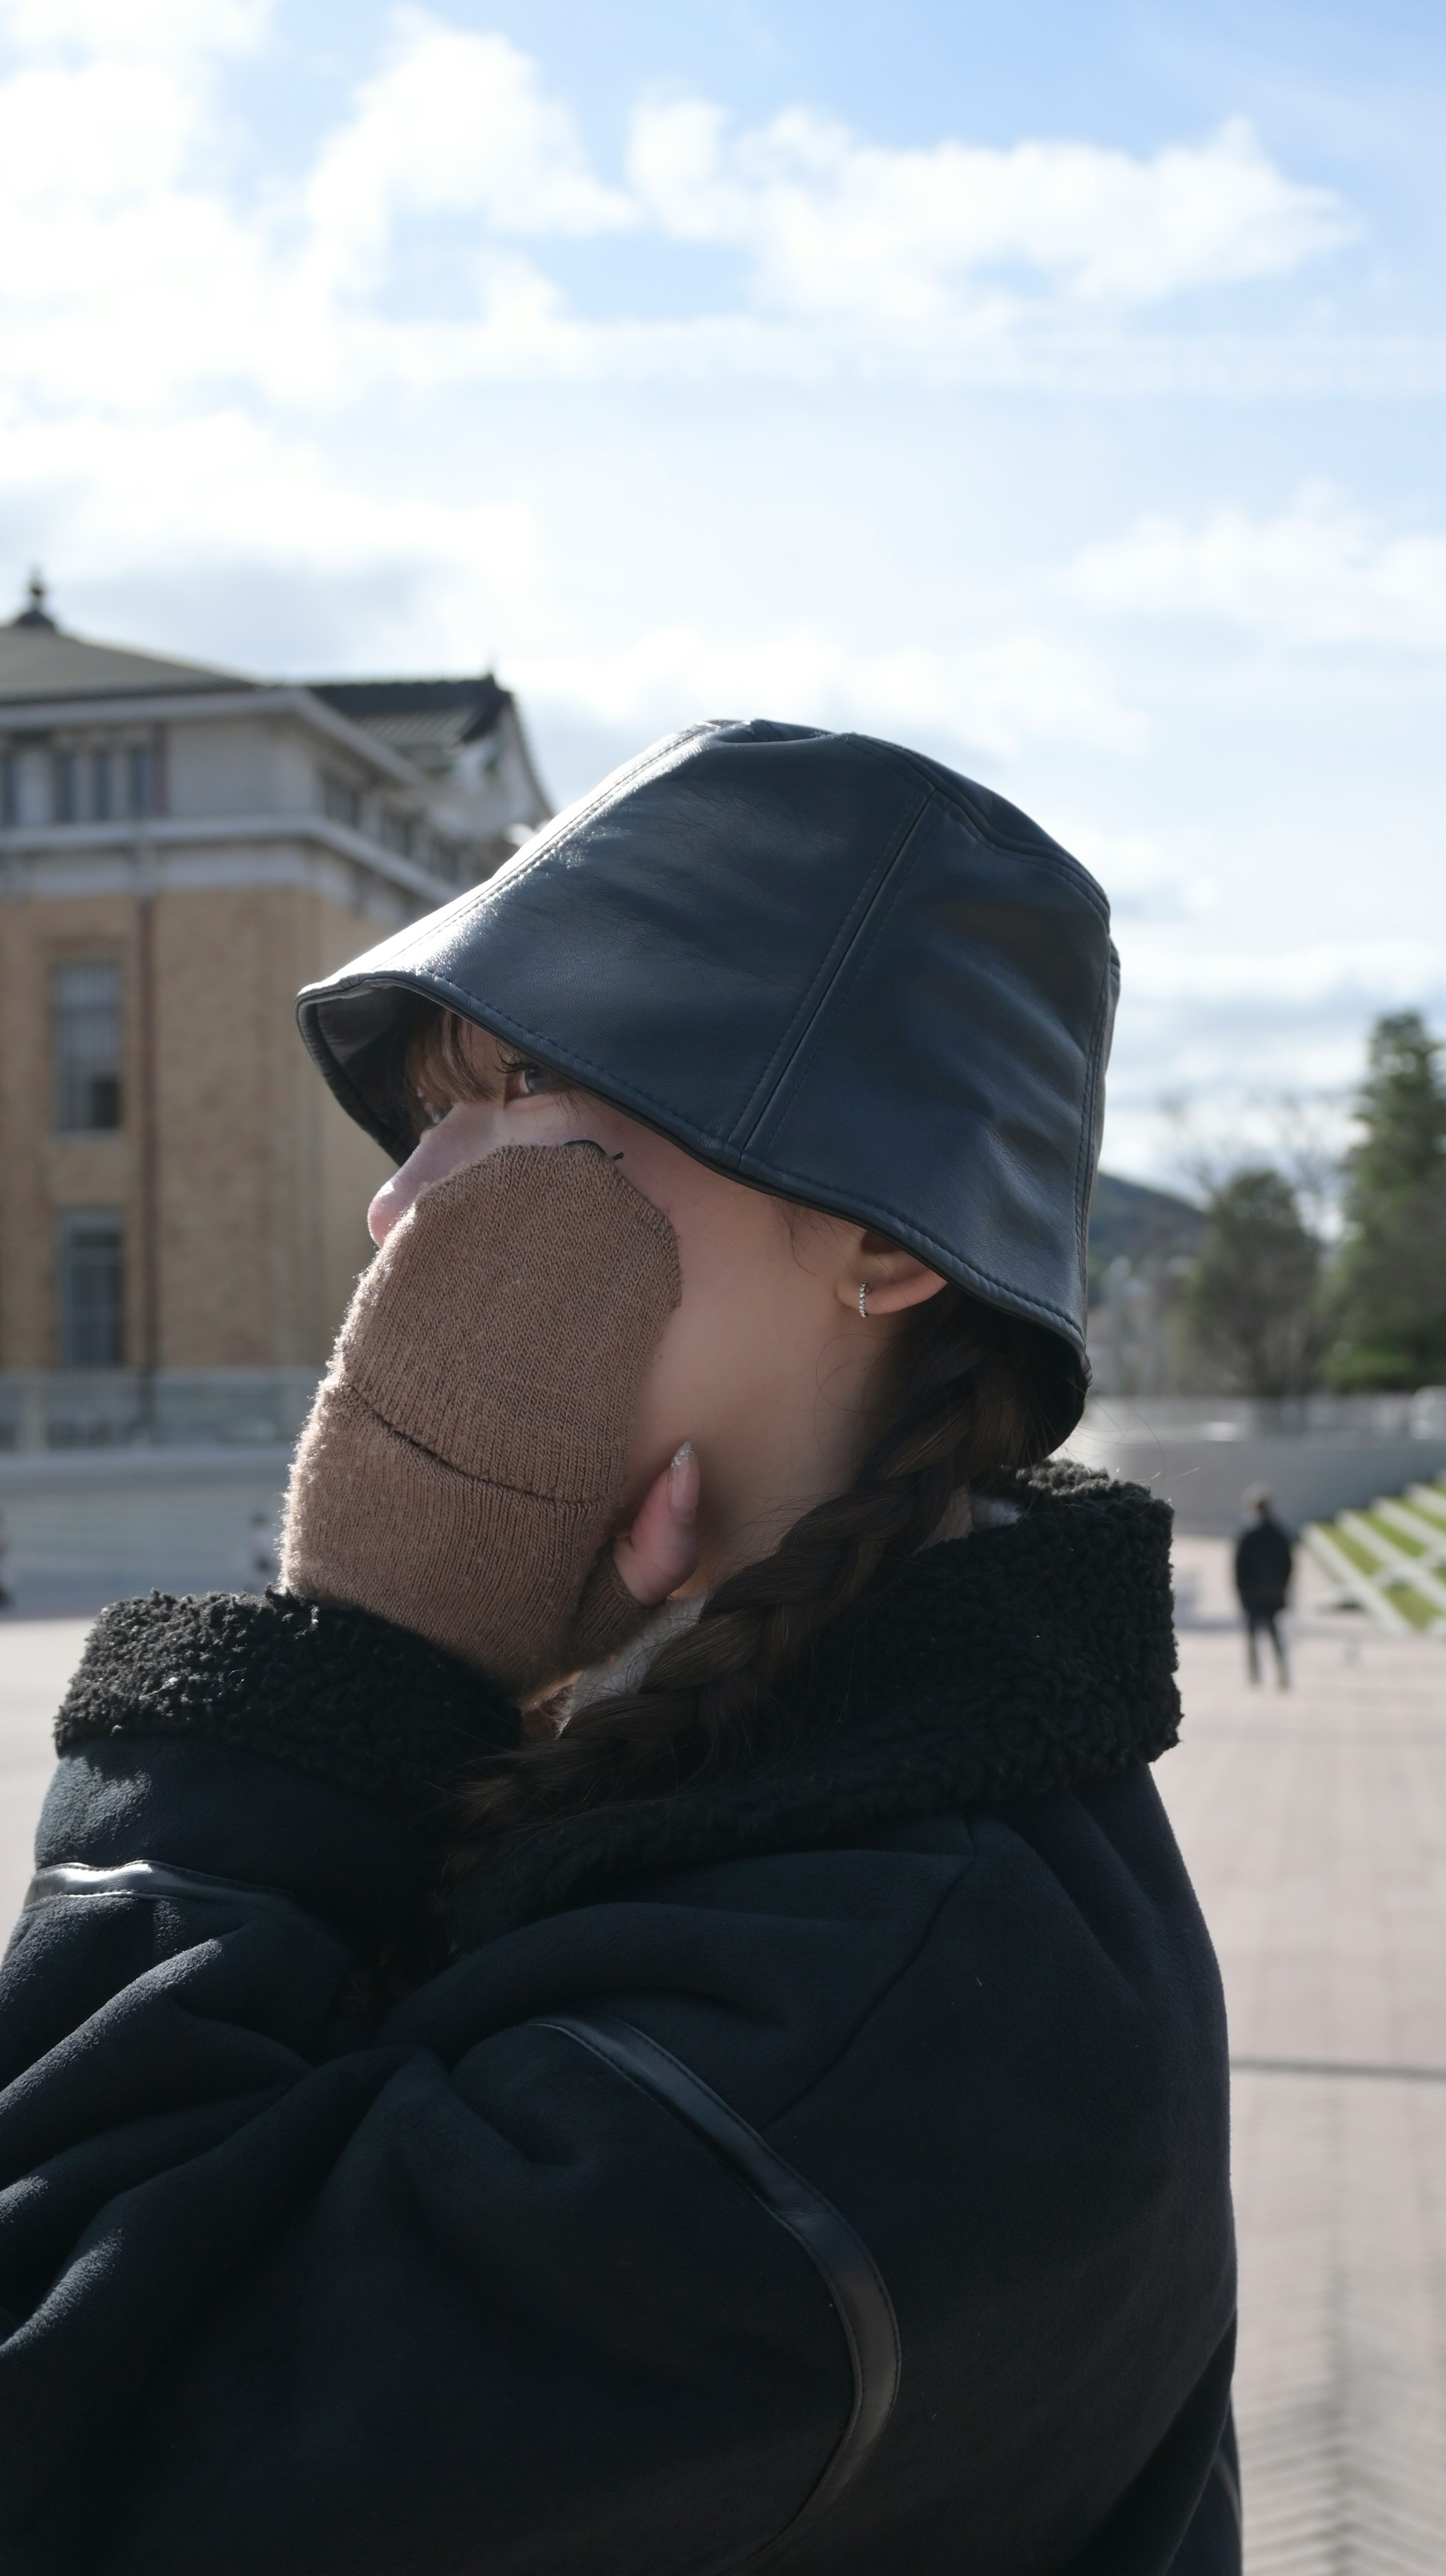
[1264, 1559]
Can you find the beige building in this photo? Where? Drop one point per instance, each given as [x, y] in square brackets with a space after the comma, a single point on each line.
[181, 849]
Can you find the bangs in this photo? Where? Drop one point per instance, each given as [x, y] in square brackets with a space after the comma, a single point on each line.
[437, 1067]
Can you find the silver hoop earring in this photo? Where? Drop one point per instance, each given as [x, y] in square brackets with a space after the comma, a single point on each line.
[864, 1299]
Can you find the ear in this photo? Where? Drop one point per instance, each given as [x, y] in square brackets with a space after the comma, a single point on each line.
[895, 1279]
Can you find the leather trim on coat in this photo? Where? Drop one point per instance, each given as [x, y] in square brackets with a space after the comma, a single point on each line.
[849, 2273]
[153, 1879]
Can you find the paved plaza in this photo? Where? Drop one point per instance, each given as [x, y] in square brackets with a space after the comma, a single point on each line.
[1314, 1822]
[36, 1660]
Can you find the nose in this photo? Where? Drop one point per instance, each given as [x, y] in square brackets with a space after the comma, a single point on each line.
[434, 1155]
[389, 1206]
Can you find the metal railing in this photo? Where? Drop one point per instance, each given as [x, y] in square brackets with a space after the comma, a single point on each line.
[59, 1409]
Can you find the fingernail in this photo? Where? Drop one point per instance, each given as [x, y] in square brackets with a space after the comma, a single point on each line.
[683, 1483]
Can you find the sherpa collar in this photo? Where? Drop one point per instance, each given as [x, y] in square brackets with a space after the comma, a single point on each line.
[1034, 1657]
[1015, 1661]
[333, 1693]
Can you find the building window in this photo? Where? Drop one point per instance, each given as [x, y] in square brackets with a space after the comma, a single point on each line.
[25, 786]
[340, 801]
[99, 786]
[92, 1288]
[85, 1021]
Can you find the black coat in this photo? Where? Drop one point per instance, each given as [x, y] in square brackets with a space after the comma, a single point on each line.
[838, 2151]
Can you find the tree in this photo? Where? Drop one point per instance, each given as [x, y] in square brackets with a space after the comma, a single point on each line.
[1388, 1291]
[1252, 1300]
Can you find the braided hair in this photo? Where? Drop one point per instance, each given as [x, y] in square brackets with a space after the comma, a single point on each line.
[966, 1405]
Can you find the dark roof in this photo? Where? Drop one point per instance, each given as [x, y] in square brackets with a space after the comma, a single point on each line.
[419, 717]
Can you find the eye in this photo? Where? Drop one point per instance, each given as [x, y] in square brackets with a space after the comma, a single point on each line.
[526, 1080]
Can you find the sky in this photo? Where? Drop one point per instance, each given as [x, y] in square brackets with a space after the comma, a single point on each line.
[1056, 388]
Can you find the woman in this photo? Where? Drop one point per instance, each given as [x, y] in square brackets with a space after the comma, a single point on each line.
[764, 2103]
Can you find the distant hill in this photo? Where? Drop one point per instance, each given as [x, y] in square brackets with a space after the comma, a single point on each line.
[1141, 1223]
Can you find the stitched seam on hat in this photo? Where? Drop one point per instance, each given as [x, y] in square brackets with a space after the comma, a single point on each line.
[851, 928]
[1039, 1306]
[853, 935]
[502, 1024]
[786, 1088]
[586, 812]
[1049, 852]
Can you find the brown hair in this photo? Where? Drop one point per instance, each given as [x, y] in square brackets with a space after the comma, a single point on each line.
[966, 1406]
[430, 1065]
[425, 1066]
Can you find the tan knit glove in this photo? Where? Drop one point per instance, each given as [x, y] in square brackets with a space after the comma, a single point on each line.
[463, 1464]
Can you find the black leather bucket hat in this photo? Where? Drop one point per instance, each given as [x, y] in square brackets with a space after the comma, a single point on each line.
[822, 964]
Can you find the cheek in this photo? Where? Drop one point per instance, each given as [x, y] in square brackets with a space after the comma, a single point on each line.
[733, 1344]
[689, 1388]
[687, 1194]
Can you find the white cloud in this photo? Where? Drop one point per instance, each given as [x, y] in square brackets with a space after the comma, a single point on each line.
[220, 497]
[997, 696]
[136, 280]
[137, 274]
[1323, 572]
[837, 226]
[128, 276]
[454, 124]
[87, 141]
[1147, 878]
[1390, 973]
